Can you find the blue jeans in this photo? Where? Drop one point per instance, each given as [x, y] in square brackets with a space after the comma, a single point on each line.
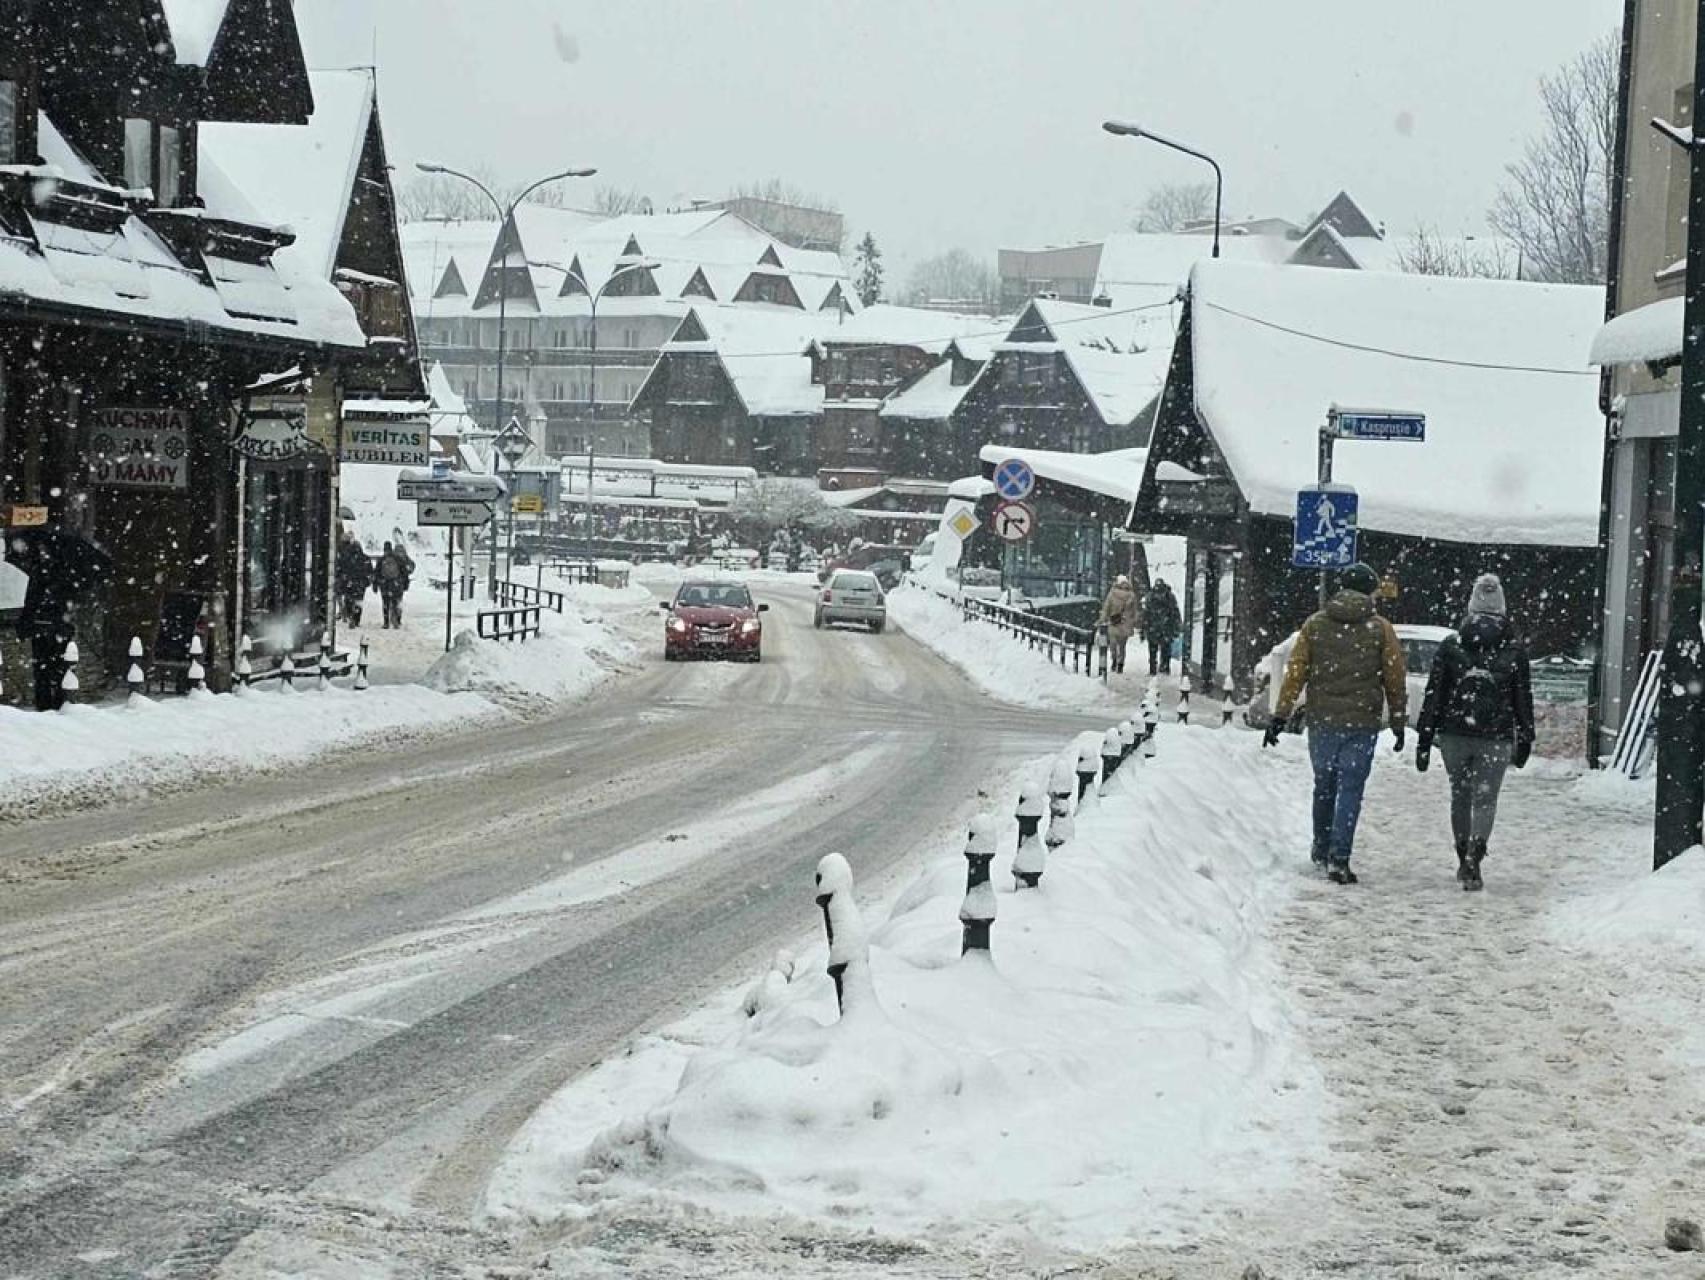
[1342, 760]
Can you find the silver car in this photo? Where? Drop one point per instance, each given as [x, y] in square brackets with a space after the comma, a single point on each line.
[852, 595]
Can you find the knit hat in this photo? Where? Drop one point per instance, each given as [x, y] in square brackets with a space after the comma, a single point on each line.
[1359, 577]
[1488, 596]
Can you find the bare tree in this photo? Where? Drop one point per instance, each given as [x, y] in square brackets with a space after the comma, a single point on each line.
[782, 193]
[1175, 206]
[1428, 253]
[613, 201]
[955, 276]
[1556, 201]
[440, 196]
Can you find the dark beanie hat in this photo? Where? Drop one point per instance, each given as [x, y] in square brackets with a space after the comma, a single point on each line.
[1359, 577]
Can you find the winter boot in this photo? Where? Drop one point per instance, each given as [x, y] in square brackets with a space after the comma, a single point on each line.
[1476, 855]
[1341, 874]
[1462, 862]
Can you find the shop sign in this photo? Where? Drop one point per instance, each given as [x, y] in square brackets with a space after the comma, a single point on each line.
[1562, 682]
[139, 448]
[18, 515]
[389, 444]
[275, 436]
[528, 504]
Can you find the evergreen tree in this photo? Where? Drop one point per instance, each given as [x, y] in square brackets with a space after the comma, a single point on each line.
[867, 271]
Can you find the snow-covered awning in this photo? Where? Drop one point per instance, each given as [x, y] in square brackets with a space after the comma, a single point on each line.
[1648, 334]
[1118, 474]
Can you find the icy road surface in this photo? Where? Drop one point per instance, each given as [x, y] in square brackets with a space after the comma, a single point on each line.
[287, 1006]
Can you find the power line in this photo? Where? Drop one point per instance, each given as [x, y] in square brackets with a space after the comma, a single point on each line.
[1399, 355]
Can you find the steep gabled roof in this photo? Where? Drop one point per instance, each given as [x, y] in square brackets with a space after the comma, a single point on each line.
[1118, 356]
[1346, 217]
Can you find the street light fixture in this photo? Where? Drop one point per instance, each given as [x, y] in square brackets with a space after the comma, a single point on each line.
[595, 297]
[1124, 129]
[505, 219]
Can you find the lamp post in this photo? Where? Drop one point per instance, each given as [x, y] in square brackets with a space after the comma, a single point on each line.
[505, 221]
[594, 298]
[1125, 130]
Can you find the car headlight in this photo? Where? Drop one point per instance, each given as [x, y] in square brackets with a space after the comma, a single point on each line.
[677, 624]
[749, 626]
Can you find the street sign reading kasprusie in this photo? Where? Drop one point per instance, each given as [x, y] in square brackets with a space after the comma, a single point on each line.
[1378, 424]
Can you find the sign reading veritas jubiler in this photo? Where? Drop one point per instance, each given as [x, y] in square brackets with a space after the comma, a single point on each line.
[139, 448]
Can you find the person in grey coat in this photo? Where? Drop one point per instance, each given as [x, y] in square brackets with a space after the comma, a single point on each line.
[1479, 709]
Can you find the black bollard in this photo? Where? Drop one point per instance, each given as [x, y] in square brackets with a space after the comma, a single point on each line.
[849, 953]
[1062, 785]
[1128, 737]
[245, 668]
[1032, 856]
[1112, 754]
[977, 911]
[68, 684]
[1227, 693]
[136, 678]
[197, 674]
[325, 661]
[1183, 699]
[361, 667]
[1088, 770]
[287, 674]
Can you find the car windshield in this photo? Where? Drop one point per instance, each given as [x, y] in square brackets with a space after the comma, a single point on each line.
[855, 582]
[714, 595]
[1418, 655]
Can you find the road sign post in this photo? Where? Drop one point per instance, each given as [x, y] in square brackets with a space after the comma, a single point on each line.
[1353, 424]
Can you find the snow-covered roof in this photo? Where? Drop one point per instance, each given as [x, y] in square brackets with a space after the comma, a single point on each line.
[932, 398]
[1117, 474]
[1133, 260]
[194, 26]
[1119, 355]
[762, 349]
[301, 175]
[1649, 333]
[133, 272]
[888, 325]
[1512, 453]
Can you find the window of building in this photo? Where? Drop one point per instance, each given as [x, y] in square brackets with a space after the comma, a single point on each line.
[154, 159]
[9, 122]
[630, 337]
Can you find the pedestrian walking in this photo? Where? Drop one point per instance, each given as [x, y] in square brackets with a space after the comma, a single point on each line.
[354, 578]
[392, 578]
[1479, 709]
[1349, 662]
[1119, 616]
[64, 569]
[1161, 626]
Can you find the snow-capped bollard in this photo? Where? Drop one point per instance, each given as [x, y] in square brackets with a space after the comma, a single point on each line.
[1088, 769]
[849, 950]
[361, 667]
[1128, 737]
[977, 912]
[1183, 699]
[1112, 754]
[1228, 692]
[287, 675]
[325, 667]
[1062, 785]
[197, 674]
[136, 678]
[1151, 726]
[245, 669]
[68, 684]
[1032, 856]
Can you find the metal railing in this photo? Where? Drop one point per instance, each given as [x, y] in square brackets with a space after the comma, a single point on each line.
[512, 595]
[1081, 649]
[580, 573]
[509, 624]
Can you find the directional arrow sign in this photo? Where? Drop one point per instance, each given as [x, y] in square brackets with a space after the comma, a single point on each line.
[1325, 531]
[453, 513]
[1378, 424]
[462, 487]
[1013, 521]
[1014, 480]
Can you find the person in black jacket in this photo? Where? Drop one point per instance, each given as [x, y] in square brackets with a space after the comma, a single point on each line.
[1161, 625]
[65, 570]
[1479, 707]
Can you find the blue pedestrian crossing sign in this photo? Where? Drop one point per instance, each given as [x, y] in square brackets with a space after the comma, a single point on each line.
[1014, 480]
[1325, 530]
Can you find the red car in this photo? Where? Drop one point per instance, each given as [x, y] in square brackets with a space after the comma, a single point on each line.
[713, 619]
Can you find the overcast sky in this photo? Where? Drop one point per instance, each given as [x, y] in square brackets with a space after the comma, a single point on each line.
[937, 123]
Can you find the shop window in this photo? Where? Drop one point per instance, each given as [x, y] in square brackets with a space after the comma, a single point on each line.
[9, 122]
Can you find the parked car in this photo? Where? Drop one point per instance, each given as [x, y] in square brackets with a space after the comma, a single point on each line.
[709, 619]
[1419, 643]
[852, 595]
[889, 564]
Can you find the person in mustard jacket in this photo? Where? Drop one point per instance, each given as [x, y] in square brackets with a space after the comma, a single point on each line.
[1348, 659]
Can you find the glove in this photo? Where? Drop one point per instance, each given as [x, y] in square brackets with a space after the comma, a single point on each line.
[1275, 727]
[1397, 734]
[1423, 756]
[1524, 749]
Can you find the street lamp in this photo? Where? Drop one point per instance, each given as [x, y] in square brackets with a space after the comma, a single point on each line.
[595, 297]
[505, 219]
[1125, 130]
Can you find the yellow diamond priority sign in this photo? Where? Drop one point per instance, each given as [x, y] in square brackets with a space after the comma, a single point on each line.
[963, 523]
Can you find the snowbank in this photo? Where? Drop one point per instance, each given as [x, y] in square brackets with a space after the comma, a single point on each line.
[574, 652]
[1000, 665]
[1662, 910]
[1131, 1002]
[88, 754]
